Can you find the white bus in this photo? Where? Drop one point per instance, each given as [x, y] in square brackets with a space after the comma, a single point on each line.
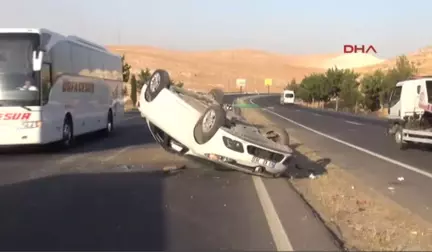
[287, 97]
[55, 87]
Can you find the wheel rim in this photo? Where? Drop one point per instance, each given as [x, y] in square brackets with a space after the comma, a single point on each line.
[155, 82]
[67, 134]
[209, 120]
[398, 137]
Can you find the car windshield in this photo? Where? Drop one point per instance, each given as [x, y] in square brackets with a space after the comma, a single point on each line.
[18, 84]
[289, 95]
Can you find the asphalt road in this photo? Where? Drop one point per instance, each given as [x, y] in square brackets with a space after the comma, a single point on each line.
[111, 194]
[360, 144]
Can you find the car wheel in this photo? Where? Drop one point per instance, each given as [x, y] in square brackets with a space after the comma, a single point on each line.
[209, 123]
[276, 134]
[159, 80]
[398, 136]
[217, 94]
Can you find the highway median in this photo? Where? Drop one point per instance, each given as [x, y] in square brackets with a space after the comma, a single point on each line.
[359, 216]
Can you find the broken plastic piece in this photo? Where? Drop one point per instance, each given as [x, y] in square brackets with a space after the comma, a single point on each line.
[173, 168]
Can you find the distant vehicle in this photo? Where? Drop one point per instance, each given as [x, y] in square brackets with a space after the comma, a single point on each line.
[287, 97]
[55, 87]
[198, 125]
[410, 112]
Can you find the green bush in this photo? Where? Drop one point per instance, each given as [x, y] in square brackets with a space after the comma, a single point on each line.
[371, 92]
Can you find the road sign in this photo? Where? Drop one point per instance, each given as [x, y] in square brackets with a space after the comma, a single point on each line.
[241, 82]
[268, 82]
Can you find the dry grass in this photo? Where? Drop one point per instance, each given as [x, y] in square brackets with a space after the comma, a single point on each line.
[362, 217]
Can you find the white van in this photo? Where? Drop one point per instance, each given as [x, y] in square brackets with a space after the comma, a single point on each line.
[287, 97]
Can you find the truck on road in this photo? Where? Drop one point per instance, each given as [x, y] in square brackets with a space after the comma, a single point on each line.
[55, 87]
[410, 112]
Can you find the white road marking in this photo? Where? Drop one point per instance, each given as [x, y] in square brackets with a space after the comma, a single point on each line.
[298, 110]
[277, 230]
[355, 123]
[71, 158]
[403, 165]
[315, 114]
[116, 154]
[130, 118]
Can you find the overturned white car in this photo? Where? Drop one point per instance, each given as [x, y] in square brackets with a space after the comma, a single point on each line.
[199, 125]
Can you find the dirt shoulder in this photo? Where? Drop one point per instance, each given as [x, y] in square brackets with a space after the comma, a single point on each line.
[362, 218]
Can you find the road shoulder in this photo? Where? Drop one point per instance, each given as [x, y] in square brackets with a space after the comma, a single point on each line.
[363, 218]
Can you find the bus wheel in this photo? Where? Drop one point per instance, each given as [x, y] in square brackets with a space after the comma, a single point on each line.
[67, 133]
[110, 124]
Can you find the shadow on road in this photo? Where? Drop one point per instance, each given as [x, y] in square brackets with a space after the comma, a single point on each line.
[303, 166]
[118, 211]
[418, 147]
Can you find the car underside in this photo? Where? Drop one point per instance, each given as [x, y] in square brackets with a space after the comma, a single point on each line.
[233, 125]
[201, 126]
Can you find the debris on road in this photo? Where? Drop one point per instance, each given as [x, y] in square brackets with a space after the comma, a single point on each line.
[401, 178]
[124, 167]
[171, 168]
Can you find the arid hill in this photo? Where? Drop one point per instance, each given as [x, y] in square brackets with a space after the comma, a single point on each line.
[204, 70]
[422, 58]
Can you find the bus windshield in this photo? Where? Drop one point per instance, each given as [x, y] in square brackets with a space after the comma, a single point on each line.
[18, 85]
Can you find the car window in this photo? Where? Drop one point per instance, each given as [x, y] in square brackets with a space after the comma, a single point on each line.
[395, 96]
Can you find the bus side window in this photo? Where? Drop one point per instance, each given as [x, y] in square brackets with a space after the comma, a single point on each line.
[46, 82]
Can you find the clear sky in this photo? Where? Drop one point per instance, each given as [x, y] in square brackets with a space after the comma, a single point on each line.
[286, 26]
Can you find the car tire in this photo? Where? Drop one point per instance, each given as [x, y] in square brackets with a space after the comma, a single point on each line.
[158, 80]
[209, 123]
[217, 94]
[398, 137]
[278, 135]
